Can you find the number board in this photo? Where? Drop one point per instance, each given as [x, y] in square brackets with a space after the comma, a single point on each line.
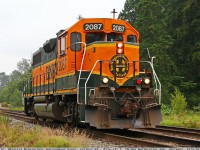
[118, 28]
[93, 26]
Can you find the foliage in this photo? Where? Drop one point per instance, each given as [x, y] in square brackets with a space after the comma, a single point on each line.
[166, 109]
[196, 108]
[23, 65]
[189, 119]
[19, 135]
[4, 104]
[170, 29]
[11, 92]
[4, 120]
[3, 79]
[52, 141]
[178, 102]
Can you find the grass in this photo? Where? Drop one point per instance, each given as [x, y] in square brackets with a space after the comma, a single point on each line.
[188, 119]
[21, 136]
[11, 107]
[17, 108]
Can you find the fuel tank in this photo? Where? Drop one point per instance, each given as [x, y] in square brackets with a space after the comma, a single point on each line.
[49, 111]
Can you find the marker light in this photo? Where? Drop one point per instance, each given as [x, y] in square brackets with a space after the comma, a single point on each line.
[105, 80]
[146, 80]
[139, 81]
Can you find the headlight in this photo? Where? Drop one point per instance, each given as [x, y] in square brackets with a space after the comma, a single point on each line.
[120, 51]
[120, 48]
[146, 80]
[105, 80]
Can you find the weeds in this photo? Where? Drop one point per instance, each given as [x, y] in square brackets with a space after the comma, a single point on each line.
[188, 119]
[21, 136]
[177, 115]
[178, 102]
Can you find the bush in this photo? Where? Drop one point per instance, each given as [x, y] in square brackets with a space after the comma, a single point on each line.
[4, 104]
[196, 108]
[166, 109]
[178, 102]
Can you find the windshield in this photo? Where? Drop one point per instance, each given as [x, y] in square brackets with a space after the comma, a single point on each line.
[93, 37]
[114, 37]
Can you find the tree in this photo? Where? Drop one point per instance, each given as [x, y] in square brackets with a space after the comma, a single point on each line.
[3, 79]
[129, 12]
[148, 18]
[15, 75]
[183, 19]
[170, 29]
[12, 91]
[23, 65]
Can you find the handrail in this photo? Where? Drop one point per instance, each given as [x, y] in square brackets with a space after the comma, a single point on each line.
[157, 81]
[89, 78]
[91, 73]
[155, 78]
[80, 71]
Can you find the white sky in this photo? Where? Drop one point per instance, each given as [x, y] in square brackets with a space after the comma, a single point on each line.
[26, 24]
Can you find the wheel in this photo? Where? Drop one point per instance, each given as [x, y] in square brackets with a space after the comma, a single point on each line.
[71, 114]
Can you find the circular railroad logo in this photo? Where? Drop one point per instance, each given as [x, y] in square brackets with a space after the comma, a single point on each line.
[120, 64]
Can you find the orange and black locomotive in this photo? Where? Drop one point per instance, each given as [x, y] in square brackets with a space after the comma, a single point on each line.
[90, 73]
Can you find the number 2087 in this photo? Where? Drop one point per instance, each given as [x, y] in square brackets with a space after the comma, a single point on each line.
[118, 28]
[93, 26]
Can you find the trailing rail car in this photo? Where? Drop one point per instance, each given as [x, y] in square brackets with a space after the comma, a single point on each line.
[91, 73]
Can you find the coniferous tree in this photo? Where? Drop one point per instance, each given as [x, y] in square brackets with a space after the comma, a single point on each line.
[148, 18]
[170, 29]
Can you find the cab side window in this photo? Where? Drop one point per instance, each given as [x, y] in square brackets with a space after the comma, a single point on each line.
[131, 38]
[62, 45]
[75, 37]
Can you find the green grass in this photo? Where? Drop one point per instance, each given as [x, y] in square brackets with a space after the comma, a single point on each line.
[17, 108]
[188, 119]
[20, 136]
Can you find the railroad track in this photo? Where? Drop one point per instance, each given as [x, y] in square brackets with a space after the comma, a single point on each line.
[177, 139]
[17, 114]
[160, 136]
[178, 131]
[173, 128]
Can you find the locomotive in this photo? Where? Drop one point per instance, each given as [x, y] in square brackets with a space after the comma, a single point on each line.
[90, 73]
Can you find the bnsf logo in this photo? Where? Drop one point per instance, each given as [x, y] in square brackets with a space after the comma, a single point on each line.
[120, 64]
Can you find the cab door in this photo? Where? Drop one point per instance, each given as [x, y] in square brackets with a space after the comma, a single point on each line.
[62, 61]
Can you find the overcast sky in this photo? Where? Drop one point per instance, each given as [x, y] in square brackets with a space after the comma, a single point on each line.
[26, 24]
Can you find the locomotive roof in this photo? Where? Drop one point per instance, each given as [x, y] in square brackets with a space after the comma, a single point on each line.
[38, 51]
[99, 20]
